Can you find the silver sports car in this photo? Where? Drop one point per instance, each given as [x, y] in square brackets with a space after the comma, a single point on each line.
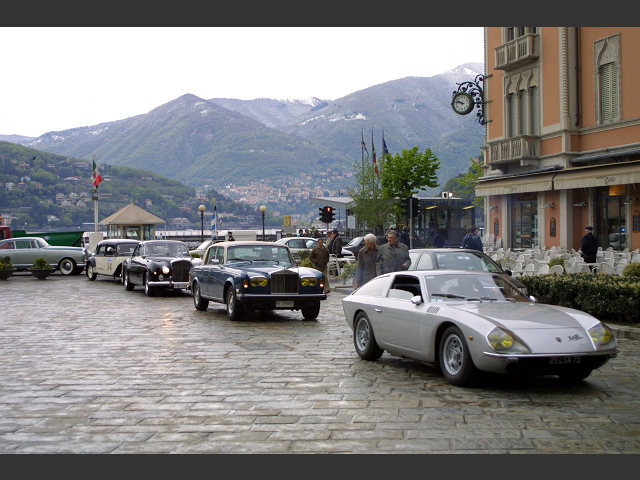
[468, 321]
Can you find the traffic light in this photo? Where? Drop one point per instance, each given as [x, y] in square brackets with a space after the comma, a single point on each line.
[327, 214]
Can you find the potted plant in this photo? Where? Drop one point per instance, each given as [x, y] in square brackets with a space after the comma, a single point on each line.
[40, 268]
[6, 268]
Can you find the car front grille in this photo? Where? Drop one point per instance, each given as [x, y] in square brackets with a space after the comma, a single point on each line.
[285, 281]
[180, 270]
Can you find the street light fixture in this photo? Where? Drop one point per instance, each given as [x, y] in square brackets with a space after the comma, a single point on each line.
[202, 208]
[262, 210]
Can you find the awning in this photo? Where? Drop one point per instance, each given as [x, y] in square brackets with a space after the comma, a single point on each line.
[600, 176]
[523, 184]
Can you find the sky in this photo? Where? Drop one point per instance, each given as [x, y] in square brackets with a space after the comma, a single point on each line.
[56, 78]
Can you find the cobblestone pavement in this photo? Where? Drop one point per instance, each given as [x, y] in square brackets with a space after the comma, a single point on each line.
[90, 368]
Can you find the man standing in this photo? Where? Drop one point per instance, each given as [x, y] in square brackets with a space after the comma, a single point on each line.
[404, 236]
[474, 241]
[393, 256]
[335, 244]
[319, 257]
[367, 258]
[589, 245]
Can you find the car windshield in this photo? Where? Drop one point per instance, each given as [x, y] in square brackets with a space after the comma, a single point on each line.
[167, 250]
[465, 261]
[473, 287]
[255, 253]
[355, 241]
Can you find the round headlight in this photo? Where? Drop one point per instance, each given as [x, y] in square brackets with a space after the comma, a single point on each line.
[165, 270]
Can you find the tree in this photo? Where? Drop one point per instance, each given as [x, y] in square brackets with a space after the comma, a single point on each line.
[469, 180]
[404, 175]
[371, 210]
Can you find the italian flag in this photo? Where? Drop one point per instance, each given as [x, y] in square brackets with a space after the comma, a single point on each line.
[97, 178]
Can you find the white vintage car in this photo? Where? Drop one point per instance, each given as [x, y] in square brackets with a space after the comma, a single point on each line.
[468, 321]
[108, 258]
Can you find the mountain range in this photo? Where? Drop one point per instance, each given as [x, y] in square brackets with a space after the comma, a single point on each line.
[219, 142]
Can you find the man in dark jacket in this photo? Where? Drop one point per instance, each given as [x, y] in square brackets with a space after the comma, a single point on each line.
[404, 236]
[319, 257]
[589, 245]
[335, 244]
[474, 241]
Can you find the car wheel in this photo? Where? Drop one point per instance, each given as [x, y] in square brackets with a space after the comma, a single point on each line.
[148, 289]
[311, 311]
[574, 374]
[67, 266]
[364, 340]
[235, 310]
[91, 273]
[200, 303]
[455, 358]
[127, 281]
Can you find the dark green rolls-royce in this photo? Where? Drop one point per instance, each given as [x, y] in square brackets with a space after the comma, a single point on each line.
[256, 275]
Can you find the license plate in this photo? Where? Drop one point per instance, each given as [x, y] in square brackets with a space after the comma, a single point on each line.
[564, 360]
[283, 303]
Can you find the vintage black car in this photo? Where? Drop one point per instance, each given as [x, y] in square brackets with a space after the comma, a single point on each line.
[256, 276]
[156, 265]
[109, 257]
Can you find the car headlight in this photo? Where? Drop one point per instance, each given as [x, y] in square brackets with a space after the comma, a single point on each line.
[600, 335]
[505, 342]
[309, 281]
[259, 282]
[165, 270]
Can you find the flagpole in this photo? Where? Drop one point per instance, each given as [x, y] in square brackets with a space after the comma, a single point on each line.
[95, 205]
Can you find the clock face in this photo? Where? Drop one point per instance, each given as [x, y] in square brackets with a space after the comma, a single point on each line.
[462, 103]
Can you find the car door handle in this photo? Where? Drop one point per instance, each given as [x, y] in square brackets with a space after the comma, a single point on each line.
[378, 310]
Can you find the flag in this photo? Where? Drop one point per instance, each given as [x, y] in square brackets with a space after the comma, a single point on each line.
[373, 154]
[364, 145]
[96, 177]
[214, 233]
[385, 150]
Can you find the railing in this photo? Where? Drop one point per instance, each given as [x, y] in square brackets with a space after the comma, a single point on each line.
[514, 149]
[516, 52]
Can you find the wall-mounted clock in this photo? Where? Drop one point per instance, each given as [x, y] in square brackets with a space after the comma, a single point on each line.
[462, 103]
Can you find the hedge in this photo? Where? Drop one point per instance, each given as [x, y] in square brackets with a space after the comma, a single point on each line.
[607, 297]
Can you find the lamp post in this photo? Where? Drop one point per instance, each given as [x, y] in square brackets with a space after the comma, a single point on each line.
[262, 210]
[202, 208]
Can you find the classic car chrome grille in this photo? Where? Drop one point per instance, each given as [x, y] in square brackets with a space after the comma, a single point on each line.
[180, 270]
[284, 282]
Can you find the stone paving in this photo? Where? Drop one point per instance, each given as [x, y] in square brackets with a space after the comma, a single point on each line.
[90, 368]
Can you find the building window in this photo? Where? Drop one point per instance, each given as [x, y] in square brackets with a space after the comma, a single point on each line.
[496, 228]
[552, 227]
[524, 232]
[607, 73]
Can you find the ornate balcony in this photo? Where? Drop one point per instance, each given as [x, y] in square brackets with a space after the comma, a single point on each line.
[517, 52]
[521, 148]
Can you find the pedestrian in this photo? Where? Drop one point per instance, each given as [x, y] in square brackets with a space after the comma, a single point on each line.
[394, 256]
[439, 240]
[366, 261]
[404, 236]
[335, 244]
[589, 245]
[300, 233]
[319, 257]
[465, 239]
[474, 241]
[231, 239]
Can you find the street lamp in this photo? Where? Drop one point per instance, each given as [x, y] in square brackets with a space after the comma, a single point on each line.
[202, 208]
[262, 210]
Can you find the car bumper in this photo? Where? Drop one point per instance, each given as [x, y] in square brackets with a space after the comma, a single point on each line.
[169, 284]
[544, 363]
[283, 302]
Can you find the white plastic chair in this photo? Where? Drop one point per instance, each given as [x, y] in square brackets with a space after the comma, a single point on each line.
[606, 268]
[556, 269]
[543, 269]
[529, 269]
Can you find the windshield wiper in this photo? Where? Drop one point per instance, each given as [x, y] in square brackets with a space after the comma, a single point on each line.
[448, 295]
[480, 299]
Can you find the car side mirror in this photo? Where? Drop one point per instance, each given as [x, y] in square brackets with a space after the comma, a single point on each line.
[509, 272]
[416, 300]
[533, 299]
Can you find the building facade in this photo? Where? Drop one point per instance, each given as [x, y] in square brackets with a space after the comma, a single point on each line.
[562, 146]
